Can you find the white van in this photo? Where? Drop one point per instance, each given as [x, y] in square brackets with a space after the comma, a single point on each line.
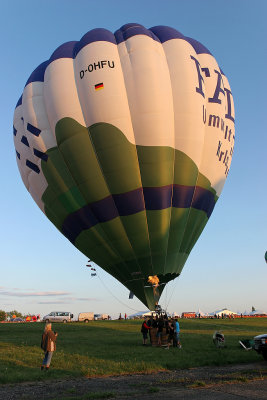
[98, 317]
[58, 316]
[86, 316]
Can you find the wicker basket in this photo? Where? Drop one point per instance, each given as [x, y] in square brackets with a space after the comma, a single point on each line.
[154, 339]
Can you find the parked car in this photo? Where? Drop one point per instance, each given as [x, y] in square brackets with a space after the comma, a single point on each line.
[58, 316]
[86, 317]
[17, 319]
[260, 345]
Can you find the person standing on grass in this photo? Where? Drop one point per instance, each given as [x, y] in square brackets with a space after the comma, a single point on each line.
[48, 344]
[144, 330]
[177, 333]
[160, 329]
[171, 334]
[150, 324]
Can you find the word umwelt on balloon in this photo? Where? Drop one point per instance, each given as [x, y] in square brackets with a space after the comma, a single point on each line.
[225, 131]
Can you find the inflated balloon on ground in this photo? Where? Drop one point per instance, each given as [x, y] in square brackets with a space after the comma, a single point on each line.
[125, 141]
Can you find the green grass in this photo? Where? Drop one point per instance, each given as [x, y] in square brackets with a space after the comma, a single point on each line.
[115, 347]
[153, 389]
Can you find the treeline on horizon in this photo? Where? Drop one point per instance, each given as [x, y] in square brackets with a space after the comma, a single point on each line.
[9, 314]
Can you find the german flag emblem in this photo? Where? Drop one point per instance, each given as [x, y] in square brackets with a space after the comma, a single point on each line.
[99, 86]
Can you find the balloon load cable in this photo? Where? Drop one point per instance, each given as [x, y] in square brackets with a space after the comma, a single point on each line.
[125, 305]
[167, 305]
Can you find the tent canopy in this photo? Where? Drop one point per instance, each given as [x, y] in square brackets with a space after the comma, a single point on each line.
[257, 312]
[201, 313]
[139, 314]
[224, 311]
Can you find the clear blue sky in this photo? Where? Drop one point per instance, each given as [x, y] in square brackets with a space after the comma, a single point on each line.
[40, 271]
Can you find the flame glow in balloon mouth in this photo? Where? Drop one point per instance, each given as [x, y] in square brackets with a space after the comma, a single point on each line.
[154, 281]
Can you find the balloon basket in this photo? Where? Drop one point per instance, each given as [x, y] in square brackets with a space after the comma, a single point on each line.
[154, 339]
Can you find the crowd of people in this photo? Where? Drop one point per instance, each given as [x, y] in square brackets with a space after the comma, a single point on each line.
[162, 326]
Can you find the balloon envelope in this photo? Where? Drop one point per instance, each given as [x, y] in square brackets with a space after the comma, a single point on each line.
[125, 141]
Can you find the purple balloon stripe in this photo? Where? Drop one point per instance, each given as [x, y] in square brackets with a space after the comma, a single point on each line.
[149, 198]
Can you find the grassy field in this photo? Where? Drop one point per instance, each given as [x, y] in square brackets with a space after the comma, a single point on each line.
[115, 347]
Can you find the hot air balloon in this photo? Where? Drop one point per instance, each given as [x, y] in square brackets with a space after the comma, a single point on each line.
[266, 256]
[125, 141]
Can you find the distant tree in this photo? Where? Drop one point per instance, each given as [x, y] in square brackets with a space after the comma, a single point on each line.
[14, 312]
[253, 308]
[2, 315]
